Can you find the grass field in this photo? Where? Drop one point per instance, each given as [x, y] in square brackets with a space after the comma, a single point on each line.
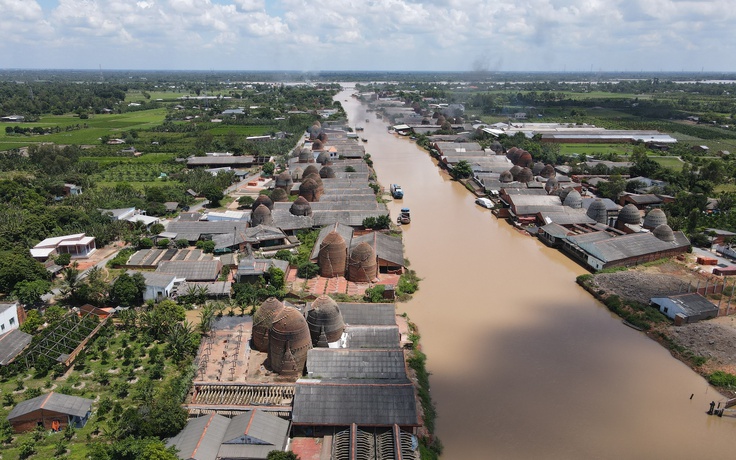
[167, 96]
[242, 130]
[673, 163]
[97, 126]
[149, 158]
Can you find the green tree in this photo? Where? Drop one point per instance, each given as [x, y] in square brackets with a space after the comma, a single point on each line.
[32, 322]
[462, 170]
[214, 195]
[54, 313]
[276, 278]
[268, 169]
[30, 292]
[281, 455]
[63, 259]
[19, 266]
[128, 290]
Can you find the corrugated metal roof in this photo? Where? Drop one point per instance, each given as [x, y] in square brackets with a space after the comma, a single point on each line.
[206, 270]
[253, 434]
[632, 245]
[691, 304]
[201, 437]
[388, 248]
[344, 402]
[335, 363]
[372, 336]
[12, 343]
[56, 402]
[367, 314]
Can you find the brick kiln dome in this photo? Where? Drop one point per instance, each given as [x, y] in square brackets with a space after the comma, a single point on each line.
[664, 233]
[323, 158]
[333, 254]
[317, 180]
[327, 173]
[301, 207]
[311, 169]
[551, 185]
[597, 211]
[322, 136]
[279, 195]
[263, 200]
[284, 181]
[308, 189]
[629, 214]
[325, 321]
[513, 154]
[525, 159]
[506, 177]
[548, 171]
[525, 175]
[317, 145]
[262, 322]
[537, 168]
[654, 219]
[288, 342]
[305, 156]
[261, 216]
[297, 173]
[515, 170]
[574, 200]
[363, 264]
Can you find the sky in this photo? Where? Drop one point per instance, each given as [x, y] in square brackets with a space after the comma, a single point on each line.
[408, 35]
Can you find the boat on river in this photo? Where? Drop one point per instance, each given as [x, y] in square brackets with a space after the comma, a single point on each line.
[404, 218]
[396, 191]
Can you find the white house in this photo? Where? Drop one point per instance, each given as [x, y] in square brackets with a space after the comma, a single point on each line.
[78, 245]
[159, 286]
[685, 308]
[8, 317]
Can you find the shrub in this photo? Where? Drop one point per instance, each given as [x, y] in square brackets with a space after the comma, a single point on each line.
[722, 379]
[375, 294]
[307, 270]
[163, 243]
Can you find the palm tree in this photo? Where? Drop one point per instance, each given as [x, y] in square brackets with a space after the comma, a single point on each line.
[206, 316]
[72, 281]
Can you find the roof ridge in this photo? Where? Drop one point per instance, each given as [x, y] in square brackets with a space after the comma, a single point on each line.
[46, 399]
[204, 432]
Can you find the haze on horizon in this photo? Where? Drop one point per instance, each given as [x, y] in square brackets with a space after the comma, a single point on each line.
[400, 35]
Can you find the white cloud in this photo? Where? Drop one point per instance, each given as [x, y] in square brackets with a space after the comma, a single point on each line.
[339, 33]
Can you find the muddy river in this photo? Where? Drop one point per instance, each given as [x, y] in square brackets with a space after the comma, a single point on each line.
[524, 363]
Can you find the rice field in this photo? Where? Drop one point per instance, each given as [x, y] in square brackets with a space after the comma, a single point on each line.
[89, 131]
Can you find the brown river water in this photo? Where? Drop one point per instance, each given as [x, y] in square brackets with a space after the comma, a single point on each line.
[524, 363]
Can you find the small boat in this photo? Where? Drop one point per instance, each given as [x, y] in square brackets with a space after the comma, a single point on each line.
[485, 202]
[404, 218]
[396, 191]
[632, 326]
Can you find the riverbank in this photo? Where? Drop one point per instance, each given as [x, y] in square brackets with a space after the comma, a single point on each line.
[706, 347]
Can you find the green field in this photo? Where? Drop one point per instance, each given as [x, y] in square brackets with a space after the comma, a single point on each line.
[673, 163]
[149, 158]
[257, 130]
[167, 96]
[97, 126]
